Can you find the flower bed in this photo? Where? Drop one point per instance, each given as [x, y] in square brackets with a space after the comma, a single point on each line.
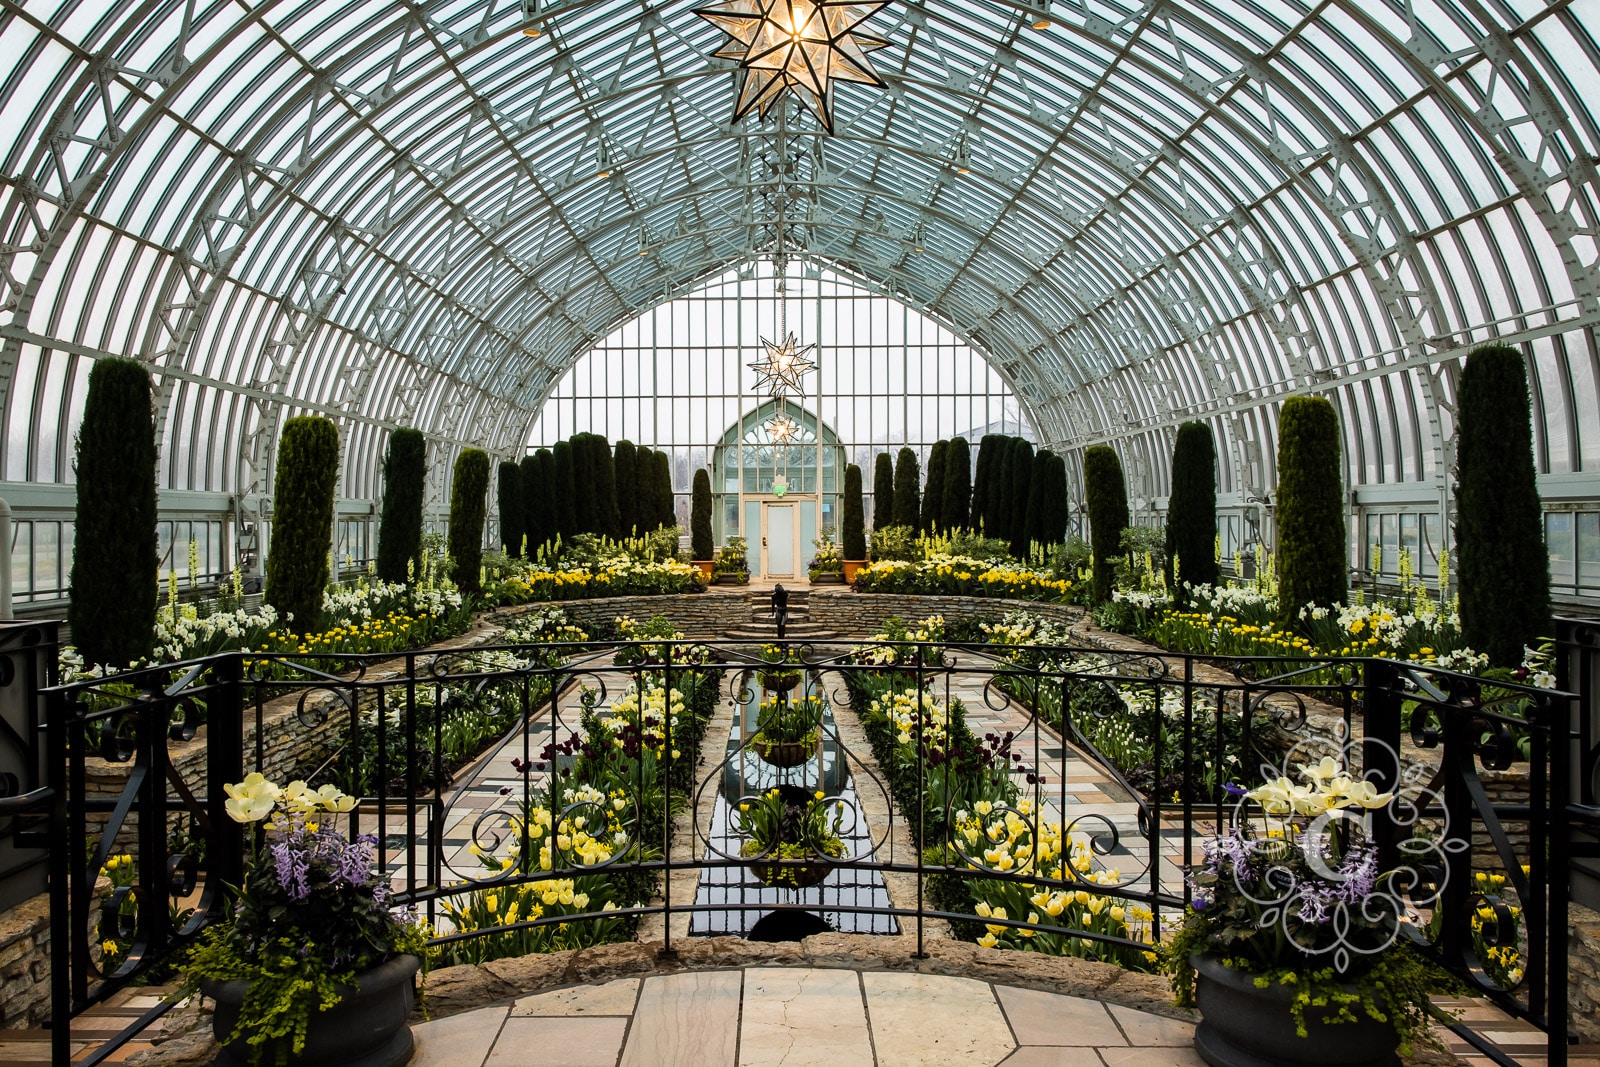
[971, 818]
[609, 805]
[962, 576]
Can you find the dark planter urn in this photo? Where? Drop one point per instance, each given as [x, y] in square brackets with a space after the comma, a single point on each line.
[1243, 1026]
[784, 753]
[367, 1028]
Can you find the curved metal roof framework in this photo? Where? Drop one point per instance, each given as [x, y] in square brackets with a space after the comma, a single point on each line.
[1150, 211]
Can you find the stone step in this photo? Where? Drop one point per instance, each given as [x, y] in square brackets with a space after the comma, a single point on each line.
[803, 632]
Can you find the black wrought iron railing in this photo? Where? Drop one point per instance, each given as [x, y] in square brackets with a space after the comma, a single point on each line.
[577, 777]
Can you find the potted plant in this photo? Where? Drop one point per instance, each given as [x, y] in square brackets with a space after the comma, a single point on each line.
[700, 545]
[785, 670]
[787, 728]
[312, 967]
[853, 525]
[732, 565]
[827, 566]
[784, 825]
[1292, 948]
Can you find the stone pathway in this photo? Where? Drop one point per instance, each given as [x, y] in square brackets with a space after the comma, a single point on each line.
[795, 1017]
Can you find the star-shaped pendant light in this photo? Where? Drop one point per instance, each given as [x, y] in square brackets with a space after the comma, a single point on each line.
[796, 46]
[780, 369]
[783, 430]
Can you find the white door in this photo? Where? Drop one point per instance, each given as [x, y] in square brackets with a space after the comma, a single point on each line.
[778, 539]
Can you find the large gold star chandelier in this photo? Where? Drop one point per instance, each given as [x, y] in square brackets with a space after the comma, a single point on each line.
[799, 47]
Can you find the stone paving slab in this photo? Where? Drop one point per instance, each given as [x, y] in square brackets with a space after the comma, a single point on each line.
[803, 1016]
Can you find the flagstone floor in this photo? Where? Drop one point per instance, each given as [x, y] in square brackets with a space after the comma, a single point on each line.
[796, 1017]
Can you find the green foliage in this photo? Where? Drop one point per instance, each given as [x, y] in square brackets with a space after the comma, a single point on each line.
[405, 469]
[564, 488]
[1192, 507]
[469, 490]
[883, 492]
[700, 517]
[533, 509]
[957, 485]
[1106, 495]
[852, 522]
[932, 512]
[511, 530]
[907, 479]
[114, 582]
[1033, 513]
[1503, 566]
[302, 520]
[625, 465]
[1020, 474]
[594, 471]
[1311, 523]
[895, 542]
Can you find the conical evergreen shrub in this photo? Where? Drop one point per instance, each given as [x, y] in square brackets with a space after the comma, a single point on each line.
[469, 491]
[853, 539]
[883, 492]
[564, 488]
[1021, 475]
[1042, 496]
[1311, 522]
[405, 474]
[307, 472]
[510, 492]
[608, 520]
[957, 485]
[533, 511]
[115, 584]
[625, 467]
[1000, 502]
[666, 499]
[1106, 495]
[1053, 523]
[701, 546]
[982, 482]
[1502, 562]
[1192, 507]
[932, 512]
[907, 502]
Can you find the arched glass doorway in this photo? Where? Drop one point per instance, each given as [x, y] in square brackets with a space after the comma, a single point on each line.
[775, 479]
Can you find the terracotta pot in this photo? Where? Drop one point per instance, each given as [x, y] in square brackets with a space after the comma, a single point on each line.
[1243, 1026]
[367, 1028]
[852, 567]
[705, 567]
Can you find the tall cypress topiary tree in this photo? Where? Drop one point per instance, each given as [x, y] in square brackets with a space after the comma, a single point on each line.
[626, 475]
[1192, 507]
[1053, 526]
[469, 491]
[666, 499]
[114, 583]
[564, 487]
[932, 514]
[982, 480]
[1039, 497]
[533, 511]
[853, 539]
[1311, 524]
[405, 471]
[1503, 564]
[701, 547]
[957, 485]
[510, 491]
[907, 503]
[302, 520]
[585, 515]
[1021, 476]
[608, 519]
[883, 492]
[999, 519]
[1106, 495]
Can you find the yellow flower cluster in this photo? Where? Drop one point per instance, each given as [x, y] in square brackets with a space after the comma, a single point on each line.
[907, 713]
